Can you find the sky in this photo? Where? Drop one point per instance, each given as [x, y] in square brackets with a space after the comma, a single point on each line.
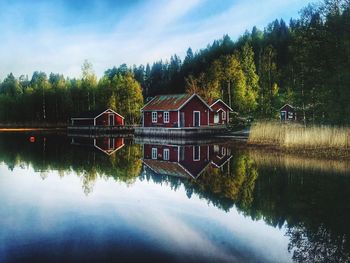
[58, 35]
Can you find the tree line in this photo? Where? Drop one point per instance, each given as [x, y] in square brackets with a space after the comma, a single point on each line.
[54, 98]
[304, 63]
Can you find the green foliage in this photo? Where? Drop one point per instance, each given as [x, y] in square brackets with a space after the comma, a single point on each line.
[56, 99]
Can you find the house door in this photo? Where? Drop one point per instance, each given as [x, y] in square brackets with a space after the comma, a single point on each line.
[283, 115]
[182, 119]
[111, 120]
[216, 118]
[196, 120]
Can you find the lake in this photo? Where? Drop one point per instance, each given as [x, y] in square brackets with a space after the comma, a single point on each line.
[73, 199]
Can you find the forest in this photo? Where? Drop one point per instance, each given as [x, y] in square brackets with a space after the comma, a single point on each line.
[305, 62]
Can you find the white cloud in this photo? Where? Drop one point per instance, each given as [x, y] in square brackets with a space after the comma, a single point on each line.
[153, 30]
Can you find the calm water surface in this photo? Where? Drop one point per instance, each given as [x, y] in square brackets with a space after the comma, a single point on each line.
[67, 199]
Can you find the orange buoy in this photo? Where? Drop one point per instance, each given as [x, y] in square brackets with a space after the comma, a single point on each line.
[32, 139]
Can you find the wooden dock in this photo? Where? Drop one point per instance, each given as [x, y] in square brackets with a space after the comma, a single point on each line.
[179, 140]
[188, 132]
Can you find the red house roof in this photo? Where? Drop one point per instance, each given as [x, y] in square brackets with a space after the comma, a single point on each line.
[94, 114]
[170, 102]
[219, 100]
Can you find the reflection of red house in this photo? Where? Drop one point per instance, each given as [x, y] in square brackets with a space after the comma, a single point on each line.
[98, 118]
[220, 113]
[184, 161]
[107, 145]
[175, 111]
[181, 161]
[219, 155]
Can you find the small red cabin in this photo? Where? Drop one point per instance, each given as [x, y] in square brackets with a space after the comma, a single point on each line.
[175, 111]
[287, 113]
[220, 113]
[107, 117]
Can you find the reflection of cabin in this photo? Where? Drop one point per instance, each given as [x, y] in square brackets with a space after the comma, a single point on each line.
[175, 111]
[107, 117]
[107, 145]
[180, 161]
[288, 113]
[220, 113]
[184, 161]
[219, 155]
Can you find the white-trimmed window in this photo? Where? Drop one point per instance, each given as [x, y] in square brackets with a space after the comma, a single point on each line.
[154, 117]
[166, 154]
[223, 115]
[154, 153]
[166, 117]
[196, 153]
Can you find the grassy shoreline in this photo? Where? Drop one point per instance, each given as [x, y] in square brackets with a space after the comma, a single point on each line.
[325, 141]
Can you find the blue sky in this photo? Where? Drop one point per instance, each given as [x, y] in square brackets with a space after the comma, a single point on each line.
[57, 35]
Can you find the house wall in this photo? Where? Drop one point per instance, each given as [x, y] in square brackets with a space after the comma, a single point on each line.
[103, 120]
[195, 105]
[216, 107]
[173, 116]
[289, 112]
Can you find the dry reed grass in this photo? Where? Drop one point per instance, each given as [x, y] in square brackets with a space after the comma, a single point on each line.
[291, 135]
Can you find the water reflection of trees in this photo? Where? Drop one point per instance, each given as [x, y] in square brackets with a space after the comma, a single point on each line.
[312, 203]
[317, 245]
[54, 153]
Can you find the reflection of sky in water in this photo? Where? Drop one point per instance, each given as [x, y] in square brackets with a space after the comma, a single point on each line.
[53, 218]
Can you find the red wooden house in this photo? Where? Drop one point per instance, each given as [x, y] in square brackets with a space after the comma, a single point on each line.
[106, 117]
[184, 110]
[288, 113]
[220, 113]
[176, 111]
